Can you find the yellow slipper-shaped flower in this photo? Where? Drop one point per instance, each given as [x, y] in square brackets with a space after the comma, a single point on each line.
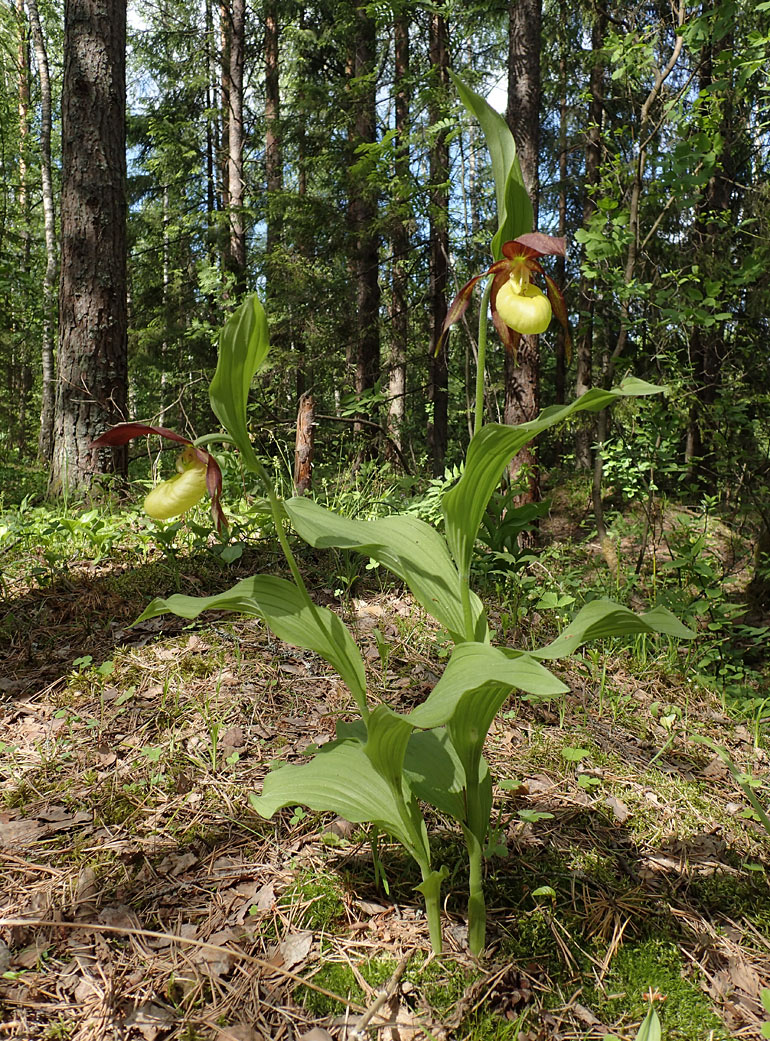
[526, 310]
[179, 494]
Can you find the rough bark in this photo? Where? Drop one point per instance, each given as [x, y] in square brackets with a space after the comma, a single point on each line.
[399, 243]
[235, 146]
[20, 381]
[92, 355]
[45, 440]
[304, 445]
[438, 387]
[522, 373]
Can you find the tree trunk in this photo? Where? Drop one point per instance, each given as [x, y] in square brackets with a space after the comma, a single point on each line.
[92, 357]
[365, 353]
[399, 243]
[45, 441]
[304, 445]
[438, 388]
[21, 372]
[273, 163]
[522, 373]
[560, 266]
[585, 333]
[235, 145]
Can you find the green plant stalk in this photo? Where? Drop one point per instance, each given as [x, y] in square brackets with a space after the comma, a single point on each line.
[432, 908]
[474, 831]
[419, 850]
[481, 358]
[276, 508]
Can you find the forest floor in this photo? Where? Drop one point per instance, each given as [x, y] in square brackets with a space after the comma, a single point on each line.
[141, 898]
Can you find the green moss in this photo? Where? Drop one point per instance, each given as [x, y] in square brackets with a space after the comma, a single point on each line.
[321, 897]
[686, 1014]
[339, 979]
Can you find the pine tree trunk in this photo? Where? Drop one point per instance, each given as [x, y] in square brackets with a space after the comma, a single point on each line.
[45, 440]
[438, 388]
[522, 373]
[92, 355]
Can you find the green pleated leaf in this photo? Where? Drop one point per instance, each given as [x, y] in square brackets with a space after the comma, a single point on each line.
[602, 619]
[388, 735]
[471, 666]
[289, 614]
[490, 452]
[410, 548]
[518, 216]
[514, 207]
[436, 774]
[340, 779]
[243, 349]
[470, 723]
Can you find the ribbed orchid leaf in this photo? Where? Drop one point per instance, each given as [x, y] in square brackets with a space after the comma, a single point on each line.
[489, 453]
[410, 548]
[514, 207]
[243, 349]
[475, 664]
[340, 779]
[388, 735]
[289, 614]
[435, 773]
[601, 619]
[518, 215]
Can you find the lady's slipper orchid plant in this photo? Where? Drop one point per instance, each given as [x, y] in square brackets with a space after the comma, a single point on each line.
[519, 308]
[199, 472]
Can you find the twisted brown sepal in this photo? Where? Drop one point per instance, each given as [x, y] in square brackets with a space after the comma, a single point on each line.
[122, 433]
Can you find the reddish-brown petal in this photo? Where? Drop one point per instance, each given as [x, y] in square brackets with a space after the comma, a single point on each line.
[518, 250]
[544, 245]
[214, 488]
[122, 433]
[457, 309]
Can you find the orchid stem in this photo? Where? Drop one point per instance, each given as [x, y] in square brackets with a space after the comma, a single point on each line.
[208, 439]
[481, 357]
[474, 832]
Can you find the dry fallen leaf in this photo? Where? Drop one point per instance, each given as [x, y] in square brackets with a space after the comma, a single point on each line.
[316, 1034]
[150, 1020]
[619, 809]
[239, 1032]
[293, 950]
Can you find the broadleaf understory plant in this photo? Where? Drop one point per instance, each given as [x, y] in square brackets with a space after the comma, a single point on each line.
[385, 766]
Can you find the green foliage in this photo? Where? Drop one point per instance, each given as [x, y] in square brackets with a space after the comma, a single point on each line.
[381, 769]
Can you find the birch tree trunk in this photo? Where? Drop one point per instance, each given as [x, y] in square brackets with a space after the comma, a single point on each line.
[45, 440]
[399, 242]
